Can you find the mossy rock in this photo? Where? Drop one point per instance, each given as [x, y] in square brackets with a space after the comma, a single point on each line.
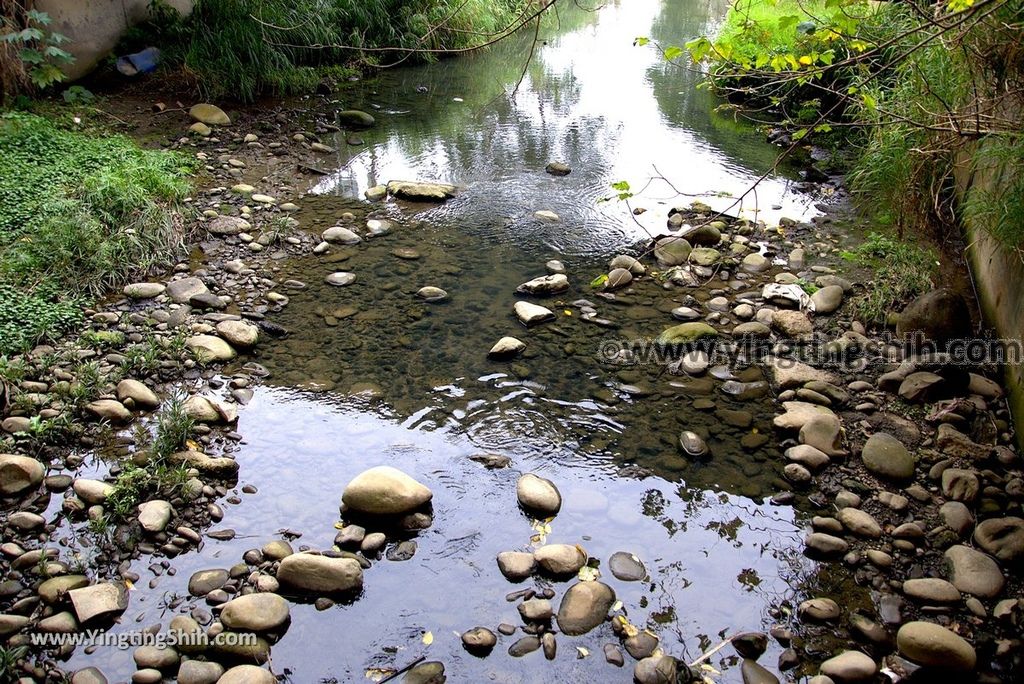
[686, 333]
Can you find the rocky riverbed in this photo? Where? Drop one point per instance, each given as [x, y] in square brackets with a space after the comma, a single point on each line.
[719, 360]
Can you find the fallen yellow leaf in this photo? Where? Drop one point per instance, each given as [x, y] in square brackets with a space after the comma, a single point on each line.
[428, 638]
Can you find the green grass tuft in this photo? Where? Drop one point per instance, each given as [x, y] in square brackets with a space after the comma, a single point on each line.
[902, 271]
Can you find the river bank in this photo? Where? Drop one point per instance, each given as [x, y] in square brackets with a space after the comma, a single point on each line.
[695, 477]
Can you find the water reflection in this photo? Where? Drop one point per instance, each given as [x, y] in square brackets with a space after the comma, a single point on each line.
[590, 98]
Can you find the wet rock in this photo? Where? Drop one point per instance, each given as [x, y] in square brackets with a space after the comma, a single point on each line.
[527, 644]
[89, 675]
[558, 169]
[885, 456]
[656, 670]
[532, 314]
[672, 251]
[203, 582]
[826, 545]
[827, 299]
[922, 387]
[631, 264]
[584, 607]
[384, 490]
[208, 348]
[618, 277]
[819, 609]
[750, 644]
[860, 523]
[545, 285]
[11, 624]
[209, 114]
[685, 313]
[789, 373]
[692, 444]
[931, 590]
[613, 656]
[686, 333]
[535, 610]
[144, 290]
[479, 640]
[516, 565]
[707, 235]
[797, 474]
[19, 473]
[492, 461]
[340, 278]
[239, 334]
[355, 117]
[560, 560]
[109, 409]
[626, 567]
[850, 666]
[753, 673]
[1002, 537]
[140, 395]
[320, 574]
[432, 294]
[376, 193]
[755, 263]
[799, 413]
[155, 658]
[430, 672]
[56, 588]
[155, 515]
[546, 215]
[641, 645]
[402, 551]
[973, 572]
[247, 674]
[221, 467]
[255, 613]
[539, 495]
[92, 491]
[938, 316]
[807, 456]
[341, 236]
[416, 191]
[932, 645]
[98, 601]
[506, 348]
[199, 672]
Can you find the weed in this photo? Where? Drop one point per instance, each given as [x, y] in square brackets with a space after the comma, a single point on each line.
[10, 656]
[901, 271]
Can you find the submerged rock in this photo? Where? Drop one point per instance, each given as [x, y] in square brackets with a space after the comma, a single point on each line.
[545, 285]
[320, 574]
[506, 348]
[532, 314]
[692, 444]
[626, 567]
[355, 117]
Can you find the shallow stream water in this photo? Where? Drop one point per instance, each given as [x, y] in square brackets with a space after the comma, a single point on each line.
[371, 375]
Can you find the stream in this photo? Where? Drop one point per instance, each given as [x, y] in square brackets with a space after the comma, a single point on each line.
[371, 375]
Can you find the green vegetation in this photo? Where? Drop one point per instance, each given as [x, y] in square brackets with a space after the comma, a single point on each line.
[78, 214]
[32, 55]
[134, 483]
[244, 48]
[901, 272]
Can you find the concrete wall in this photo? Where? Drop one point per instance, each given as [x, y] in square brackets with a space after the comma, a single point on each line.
[94, 26]
[998, 274]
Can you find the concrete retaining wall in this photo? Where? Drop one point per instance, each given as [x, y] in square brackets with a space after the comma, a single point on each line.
[94, 26]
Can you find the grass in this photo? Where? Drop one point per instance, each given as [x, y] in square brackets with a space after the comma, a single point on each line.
[242, 49]
[79, 214]
[157, 474]
[902, 271]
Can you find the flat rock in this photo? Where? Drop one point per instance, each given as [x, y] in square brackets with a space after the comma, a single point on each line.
[320, 574]
[553, 283]
[532, 314]
[247, 674]
[418, 191]
[155, 515]
[239, 334]
[506, 348]
[255, 612]
[209, 348]
[98, 601]
[209, 114]
[1002, 537]
[686, 333]
[140, 395]
[341, 235]
[144, 290]
[626, 567]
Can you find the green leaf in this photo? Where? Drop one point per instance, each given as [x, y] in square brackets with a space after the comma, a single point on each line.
[640, 41]
[621, 186]
[799, 135]
[41, 18]
[870, 102]
[31, 56]
[699, 48]
[599, 281]
[788, 21]
[673, 52]
[30, 34]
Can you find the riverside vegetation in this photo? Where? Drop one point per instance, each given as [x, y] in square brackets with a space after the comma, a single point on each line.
[899, 464]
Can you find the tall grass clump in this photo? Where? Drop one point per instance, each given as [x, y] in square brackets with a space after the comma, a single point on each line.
[78, 214]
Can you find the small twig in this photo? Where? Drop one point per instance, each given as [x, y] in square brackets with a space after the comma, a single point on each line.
[712, 652]
[404, 669]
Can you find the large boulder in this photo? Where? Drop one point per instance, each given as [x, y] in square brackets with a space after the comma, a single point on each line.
[355, 117]
[421, 192]
[939, 316]
[584, 607]
[935, 646]
[18, 473]
[384, 491]
[320, 574]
